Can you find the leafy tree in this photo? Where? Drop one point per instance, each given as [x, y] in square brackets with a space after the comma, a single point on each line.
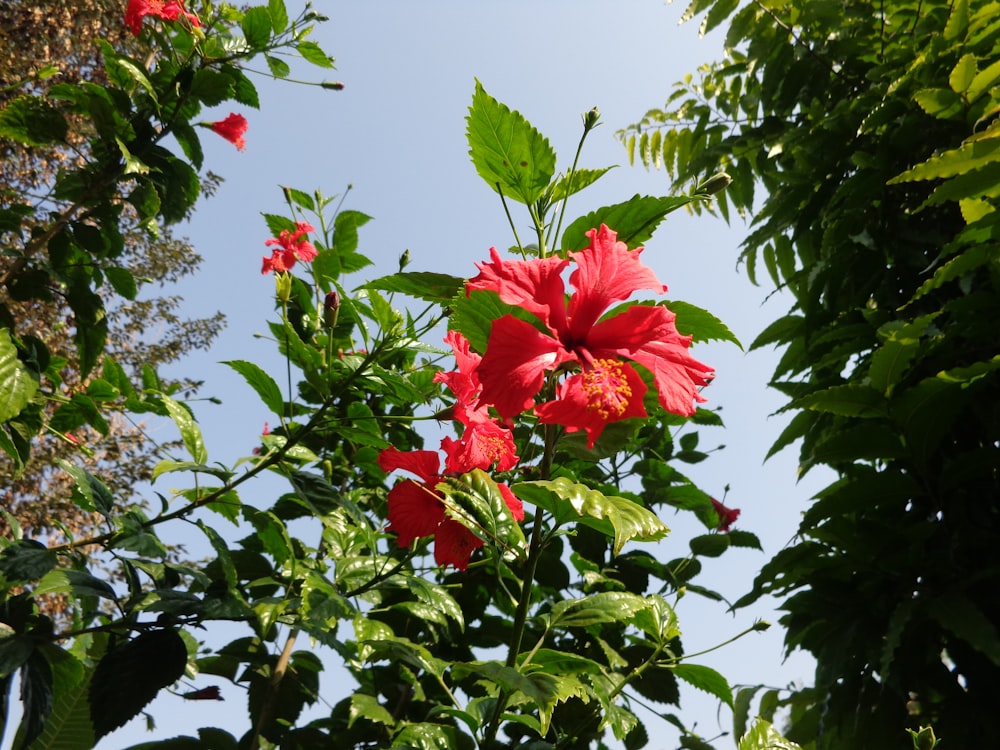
[863, 138]
[54, 42]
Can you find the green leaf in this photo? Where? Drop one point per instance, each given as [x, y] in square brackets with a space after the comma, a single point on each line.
[130, 675]
[190, 432]
[432, 287]
[17, 384]
[635, 220]
[36, 696]
[962, 74]
[258, 379]
[846, 400]
[26, 560]
[709, 545]
[477, 495]
[278, 67]
[706, 679]
[311, 52]
[473, 316]
[700, 324]
[256, 25]
[402, 649]
[763, 736]
[616, 517]
[985, 80]
[605, 607]
[279, 15]
[80, 583]
[15, 648]
[538, 687]
[68, 724]
[364, 706]
[574, 183]
[508, 153]
[32, 121]
[959, 615]
[122, 281]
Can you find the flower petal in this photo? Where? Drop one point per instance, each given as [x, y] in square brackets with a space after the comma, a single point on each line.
[513, 368]
[533, 285]
[454, 544]
[610, 391]
[676, 373]
[513, 502]
[425, 464]
[482, 444]
[414, 511]
[607, 271]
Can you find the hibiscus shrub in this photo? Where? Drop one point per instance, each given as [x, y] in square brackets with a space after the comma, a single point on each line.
[489, 595]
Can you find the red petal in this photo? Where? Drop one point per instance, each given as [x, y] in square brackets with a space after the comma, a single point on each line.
[425, 464]
[482, 445]
[632, 329]
[676, 373]
[582, 404]
[607, 271]
[513, 368]
[513, 502]
[414, 511]
[534, 285]
[454, 544]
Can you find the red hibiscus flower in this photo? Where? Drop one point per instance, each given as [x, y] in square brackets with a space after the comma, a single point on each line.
[727, 516]
[291, 247]
[416, 509]
[168, 10]
[607, 388]
[484, 441]
[232, 129]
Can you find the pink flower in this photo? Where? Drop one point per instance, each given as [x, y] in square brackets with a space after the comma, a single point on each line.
[727, 516]
[291, 247]
[168, 10]
[416, 509]
[232, 129]
[606, 388]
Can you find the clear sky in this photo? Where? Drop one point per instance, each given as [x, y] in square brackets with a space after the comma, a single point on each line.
[396, 133]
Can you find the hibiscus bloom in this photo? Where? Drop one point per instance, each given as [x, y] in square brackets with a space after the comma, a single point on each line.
[290, 247]
[168, 10]
[727, 516]
[484, 442]
[232, 129]
[416, 508]
[606, 388]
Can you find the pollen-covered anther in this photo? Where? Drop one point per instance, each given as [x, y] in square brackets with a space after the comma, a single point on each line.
[607, 388]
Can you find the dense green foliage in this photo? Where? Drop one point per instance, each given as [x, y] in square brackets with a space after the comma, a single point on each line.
[871, 134]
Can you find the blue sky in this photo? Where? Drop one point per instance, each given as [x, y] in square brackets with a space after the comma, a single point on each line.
[396, 133]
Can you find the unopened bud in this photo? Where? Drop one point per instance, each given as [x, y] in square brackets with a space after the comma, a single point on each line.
[331, 308]
[761, 625]
[332, 85]
[283, 286]
[590, 119]
[715, 184]
[404, 259]
[924, 739]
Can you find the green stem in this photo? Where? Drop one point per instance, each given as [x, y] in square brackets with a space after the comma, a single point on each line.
[569, 180]
[510, 220]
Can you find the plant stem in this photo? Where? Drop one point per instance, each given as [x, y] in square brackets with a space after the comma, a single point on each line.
[267, 710]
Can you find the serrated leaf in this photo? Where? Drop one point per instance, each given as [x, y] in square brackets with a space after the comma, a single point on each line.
[278, 67]
[478, 496]
[700, 324]
[616, 517]
[17, 384]
[960, 616]
[68, 724]
[130, 675]
[313, 53]
[962, 74]
[605, 607]
[508, 153]
[78, 582]
[36, 696]
[432, 287]
[279, 15]
[32, 121]
[26, 560]
[190, 432]
[849, 400]
[763, 736]
[256, 25]
[364, 706]
[577, 181]
[258, 379]
[706, 679]
[635, 220]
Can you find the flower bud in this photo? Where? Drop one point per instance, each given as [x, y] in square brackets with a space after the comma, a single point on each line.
[404, 259]
[590, 119]
[332, 85]
[331, 307]
[924, 739]
[715, 184]
[283, 286]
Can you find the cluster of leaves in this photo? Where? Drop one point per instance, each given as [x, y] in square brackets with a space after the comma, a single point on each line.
[585, 629]
[874, 131]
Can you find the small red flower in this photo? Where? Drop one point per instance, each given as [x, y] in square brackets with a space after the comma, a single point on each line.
[291, 247]
[727, 516]
[232, 129]
[416, 509]
[168, 10]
